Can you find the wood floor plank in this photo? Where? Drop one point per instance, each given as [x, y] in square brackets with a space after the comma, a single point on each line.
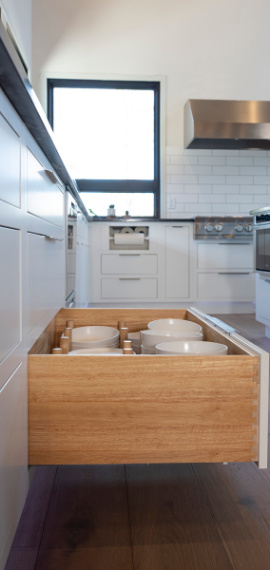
[171, 523]
[88, 512]
[105, 558]
[30, 527]
[239, 498]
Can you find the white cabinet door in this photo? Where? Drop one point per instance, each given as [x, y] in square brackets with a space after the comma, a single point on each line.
[263, 299]
[44, 197]
[10, 164]
[177, 262]
[129, 288]
[10, 290]
[45, 277]
[226, 286]
[129, 264]
[225, 255]
[13, 453]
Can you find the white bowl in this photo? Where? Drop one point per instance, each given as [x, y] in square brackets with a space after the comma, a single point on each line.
[191, 348]
[94, 351]
[135, 338]
[174, 325]
[148, 349]
[94, 337]
[152, 337]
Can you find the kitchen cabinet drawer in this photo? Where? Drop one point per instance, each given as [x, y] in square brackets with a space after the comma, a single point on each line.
[148, 408]
[44, 196]
[129, 288]
[10, 298]
[225, 256]
[10, 164]
[226, 286]
[45, 277]
[129, 264]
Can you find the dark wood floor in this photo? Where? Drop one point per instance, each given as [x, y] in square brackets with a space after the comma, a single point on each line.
[148, 517]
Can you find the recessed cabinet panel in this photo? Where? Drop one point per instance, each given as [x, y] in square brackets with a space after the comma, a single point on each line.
[10, 164]
[129, 288]
[262, 298]
[225, 255]
[129, 264]
[229, 287]
[45, 277]
[177, 262]
[10, 287]
[13, 449]
[44, 197]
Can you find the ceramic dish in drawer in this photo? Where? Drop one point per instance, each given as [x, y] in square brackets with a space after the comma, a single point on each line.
[191, 348]
[150, 338]
[174, 325]
[94, 337]
[95, 351]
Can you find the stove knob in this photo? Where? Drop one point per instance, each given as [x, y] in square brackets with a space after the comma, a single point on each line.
[218, 227]
[248, 228]
[209, 228]
[239, 227]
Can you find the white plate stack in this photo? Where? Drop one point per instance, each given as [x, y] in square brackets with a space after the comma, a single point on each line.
[94, 337]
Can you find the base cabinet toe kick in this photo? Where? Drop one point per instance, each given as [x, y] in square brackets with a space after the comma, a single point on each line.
[89, 409]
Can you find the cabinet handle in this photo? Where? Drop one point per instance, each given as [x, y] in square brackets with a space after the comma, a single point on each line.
[235, 243]
[51, 175]
[177, 226]
[234, 273]
[129, 254]
[51, 238]
[129, 278]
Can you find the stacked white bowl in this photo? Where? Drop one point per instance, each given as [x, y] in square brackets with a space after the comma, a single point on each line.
[94, 337]
[98, 351]
[191, 348]
[168, 330]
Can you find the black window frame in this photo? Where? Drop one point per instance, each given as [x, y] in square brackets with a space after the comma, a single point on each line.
[117, 186]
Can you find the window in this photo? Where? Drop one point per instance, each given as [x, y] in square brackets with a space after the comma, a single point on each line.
[108, 135]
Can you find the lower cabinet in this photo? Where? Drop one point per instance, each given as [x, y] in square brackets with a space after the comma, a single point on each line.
[129, 288]
[262, 299]
[13, 455]
[225, 286]
[45, 277]
[177, 262]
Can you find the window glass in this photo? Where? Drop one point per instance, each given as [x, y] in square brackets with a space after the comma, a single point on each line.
[136, 204]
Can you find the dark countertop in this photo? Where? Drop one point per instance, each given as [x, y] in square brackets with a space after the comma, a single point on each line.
[15, 84]
[139, 220]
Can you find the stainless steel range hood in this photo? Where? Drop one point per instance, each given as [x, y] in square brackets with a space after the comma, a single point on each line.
[216, 124]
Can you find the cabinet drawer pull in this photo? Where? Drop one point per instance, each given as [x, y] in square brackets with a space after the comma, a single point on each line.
[235, 243]
[50, 174]
[234, 273]
[129, 278]
[177, 226]
[129, 254]
[51, 238]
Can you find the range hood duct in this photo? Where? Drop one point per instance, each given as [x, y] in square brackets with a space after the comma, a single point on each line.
[215, 124]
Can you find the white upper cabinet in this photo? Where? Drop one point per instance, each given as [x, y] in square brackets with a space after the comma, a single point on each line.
[10, 164]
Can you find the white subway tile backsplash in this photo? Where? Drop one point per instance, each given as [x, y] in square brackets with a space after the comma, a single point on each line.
[216, 182]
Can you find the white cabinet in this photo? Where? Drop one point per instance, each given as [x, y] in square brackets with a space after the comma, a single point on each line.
[45, 277]
[44, 195]
[82, 261]
[10, 286]
[177, 261]
[225, 272]
[10, 163]
[263, 299]
[154, 268]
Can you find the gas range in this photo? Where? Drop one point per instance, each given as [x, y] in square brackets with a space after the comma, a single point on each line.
[223, 228]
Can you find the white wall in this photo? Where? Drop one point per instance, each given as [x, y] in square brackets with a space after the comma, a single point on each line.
[211, 49]
[19, 15]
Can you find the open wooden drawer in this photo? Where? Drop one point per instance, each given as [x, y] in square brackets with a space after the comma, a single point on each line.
[86, 409]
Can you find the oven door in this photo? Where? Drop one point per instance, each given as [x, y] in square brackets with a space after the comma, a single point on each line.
[262, 249]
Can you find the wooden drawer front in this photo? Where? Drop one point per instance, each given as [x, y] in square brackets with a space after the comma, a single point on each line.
[129, 264]
[224, 256]
[10, 298]
[129, 288]
[45, 279]
[226, 286]
[44, 197]
[10, 164]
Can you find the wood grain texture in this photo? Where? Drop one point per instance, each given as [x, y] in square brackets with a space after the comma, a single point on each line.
[238, 496]
[87, 525]
[46, 341]
[114, 410]
[171, 523]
